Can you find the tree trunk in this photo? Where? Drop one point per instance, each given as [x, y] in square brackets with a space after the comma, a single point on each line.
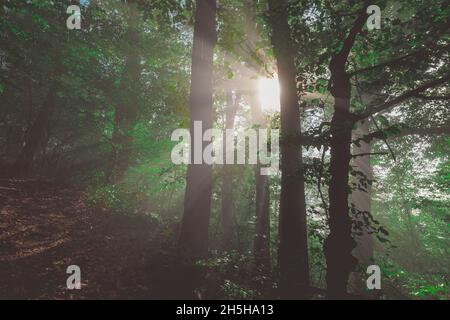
[293, 248]
[339, 245]
[37, 135]
[227, 177]
[362, 202]
[127, 100]
[261, 247]
[262, 232]
[261, 243]
[197, 203]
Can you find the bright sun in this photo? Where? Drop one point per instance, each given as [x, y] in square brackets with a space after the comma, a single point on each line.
[269, 94]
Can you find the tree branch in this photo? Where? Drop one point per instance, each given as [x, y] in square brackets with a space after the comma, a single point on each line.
[432, 98]
[410, 94]
[342, 56]
[398, 132]
[389, 63]
[369, 154]
[12, 84]
[423, 131]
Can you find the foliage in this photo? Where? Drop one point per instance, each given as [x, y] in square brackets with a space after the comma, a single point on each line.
[86, 69]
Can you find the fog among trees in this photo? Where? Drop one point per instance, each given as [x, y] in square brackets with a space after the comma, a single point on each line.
[357, 90]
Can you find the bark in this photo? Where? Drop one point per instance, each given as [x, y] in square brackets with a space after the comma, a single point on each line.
[227, 178]
[362, 202]
[262, 232]
[37, 135]
[261, 243]
[293, 251]
[339, 244]
[126, 109]
[193, 239]
[261, 247]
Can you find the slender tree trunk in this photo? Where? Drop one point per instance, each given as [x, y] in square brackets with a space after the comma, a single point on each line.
[30, 102]
[227, 177]
[197, 203]
[262, 232]
[37, 135]
[362, 202]
[126, 110]
[293, 248]
[261, 247]
[261, 244]
[227, 208]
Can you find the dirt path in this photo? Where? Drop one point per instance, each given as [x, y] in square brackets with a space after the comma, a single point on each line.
[45, 228]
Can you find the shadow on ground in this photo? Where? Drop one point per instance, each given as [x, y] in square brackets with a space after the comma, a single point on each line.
[44, 228]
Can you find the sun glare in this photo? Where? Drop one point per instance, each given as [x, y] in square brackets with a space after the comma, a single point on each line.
[269, 94]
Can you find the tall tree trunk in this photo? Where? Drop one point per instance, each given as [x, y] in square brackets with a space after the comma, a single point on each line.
[361, 199]
[126, 109]
[261, 246]
[262, 232]
[293, 248]
[197, 203]
[227, 176]
[339, 244]
[37, 135]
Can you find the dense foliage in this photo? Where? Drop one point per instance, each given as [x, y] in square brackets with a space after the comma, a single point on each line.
[94, 109]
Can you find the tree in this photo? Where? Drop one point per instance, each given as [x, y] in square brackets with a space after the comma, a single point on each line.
[128, 97]
[232, 104]
[360, 199]
[293, 247]
[253, 54]
[261, 245]
[37, 134]
[197, 204]
[339, 244]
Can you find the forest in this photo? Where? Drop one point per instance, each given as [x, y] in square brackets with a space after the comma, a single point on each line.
[225, 149]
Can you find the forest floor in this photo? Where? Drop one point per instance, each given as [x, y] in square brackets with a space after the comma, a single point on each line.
[44, 228]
